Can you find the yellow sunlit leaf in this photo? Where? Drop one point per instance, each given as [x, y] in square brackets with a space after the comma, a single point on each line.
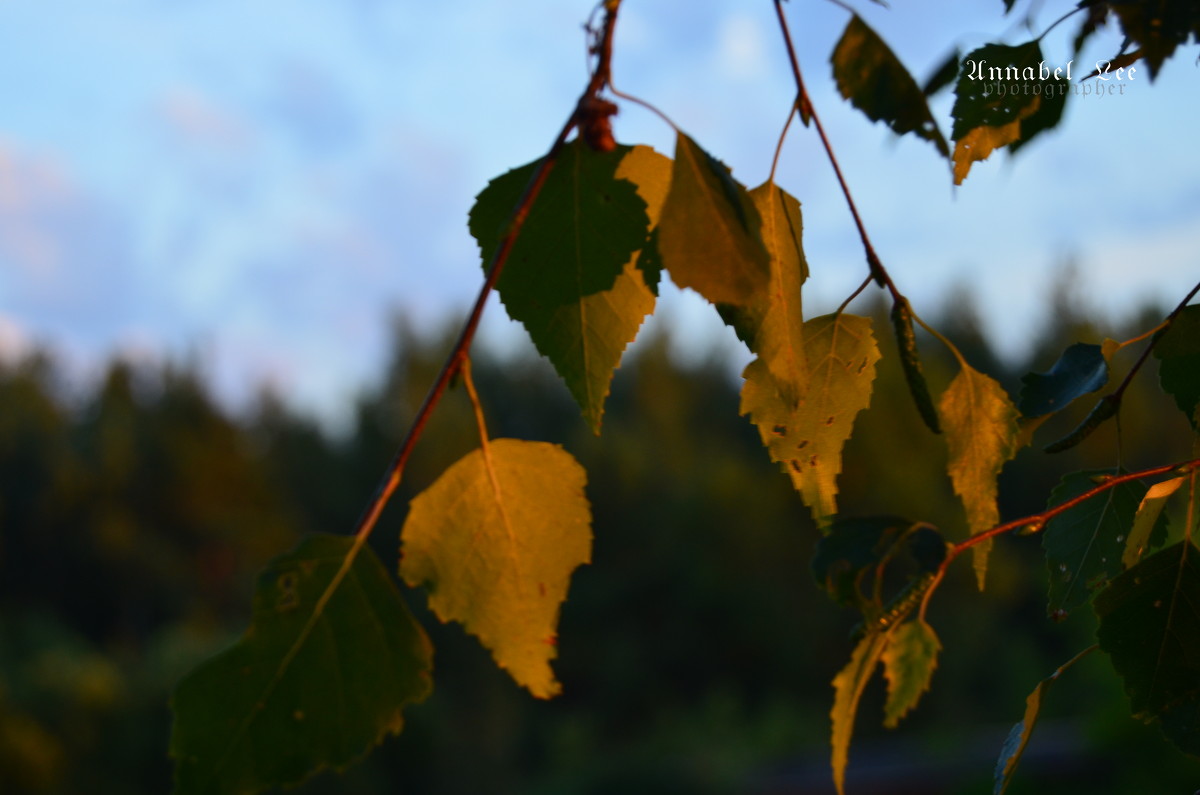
[980, 425]
[495, 540]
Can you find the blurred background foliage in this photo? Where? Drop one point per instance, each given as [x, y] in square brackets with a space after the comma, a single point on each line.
[696, 652]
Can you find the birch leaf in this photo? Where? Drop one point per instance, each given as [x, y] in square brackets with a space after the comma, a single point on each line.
[807, 438]
[1178, 353]
[709, 235]
[1018, 737]
[773, 326]
[1149, 524]
[870, 75]
[1150, 628]
[1085, 545]
[1081, 369]
[331, 658]
[980, 425]
[494, 540]
[848, 687]
[908, 664]
[574, 278]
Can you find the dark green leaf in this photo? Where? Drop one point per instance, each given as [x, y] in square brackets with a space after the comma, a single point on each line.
[1005, 96]
[709, 235]
[331, 658]
[1181, 724]
[1084, 545]
[1158, 27]
[1105, 409]
[1081, 369]
[574, 278]
[1178, 352]
[1150, 627]
[870, 75]
[848, 557]
[976, 101]
[649, 262]
[910, 360]
[944, 75]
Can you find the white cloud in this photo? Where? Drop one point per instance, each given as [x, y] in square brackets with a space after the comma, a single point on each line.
[740, 47]
[202, 121]
[32, 191]
[14, 342]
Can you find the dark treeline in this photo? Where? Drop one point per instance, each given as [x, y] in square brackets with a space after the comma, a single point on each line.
[695, 651]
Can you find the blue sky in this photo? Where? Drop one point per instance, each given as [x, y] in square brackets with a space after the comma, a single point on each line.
[260, 186]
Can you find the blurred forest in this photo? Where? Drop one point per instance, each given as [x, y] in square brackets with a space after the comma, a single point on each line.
[695, 652]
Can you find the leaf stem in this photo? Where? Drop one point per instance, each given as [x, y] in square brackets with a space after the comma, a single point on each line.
[962, 361]
[779, 146]
[648, 106]
[1142, 336]
[469, 383]
[857, 292]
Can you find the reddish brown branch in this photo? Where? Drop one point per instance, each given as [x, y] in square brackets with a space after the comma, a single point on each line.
[454, 361]
[804, 102]
[1116, 393]
[1038, 520]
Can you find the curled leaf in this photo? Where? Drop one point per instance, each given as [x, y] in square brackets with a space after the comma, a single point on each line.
[849, 557]
[1104, 410]
[910, 361]
[1018, 737]
[1081, 369]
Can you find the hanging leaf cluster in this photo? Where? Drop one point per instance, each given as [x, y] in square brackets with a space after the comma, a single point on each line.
[577, 243]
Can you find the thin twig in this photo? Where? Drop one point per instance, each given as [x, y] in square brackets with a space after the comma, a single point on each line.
[1059, 21]
[1116, 394]
[878, 272]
